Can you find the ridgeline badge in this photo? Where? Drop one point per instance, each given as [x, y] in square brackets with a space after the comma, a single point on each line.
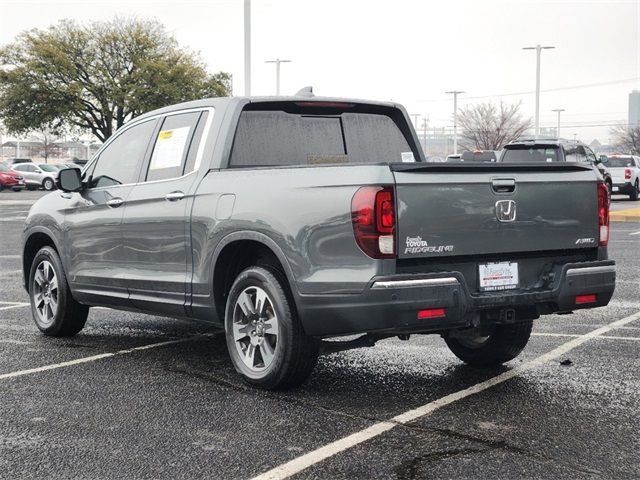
[418, 245]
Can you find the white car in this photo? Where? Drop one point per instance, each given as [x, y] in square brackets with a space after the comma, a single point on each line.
[625, 173]
[36, 176]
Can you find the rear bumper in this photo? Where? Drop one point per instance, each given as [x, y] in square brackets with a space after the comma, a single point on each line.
[390, 304]
[624, 188]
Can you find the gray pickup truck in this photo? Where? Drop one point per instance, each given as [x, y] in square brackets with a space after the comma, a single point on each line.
[292, 222]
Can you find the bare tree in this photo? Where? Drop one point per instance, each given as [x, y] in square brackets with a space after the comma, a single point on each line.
[49, 138]
[627, 138]
[487, 126]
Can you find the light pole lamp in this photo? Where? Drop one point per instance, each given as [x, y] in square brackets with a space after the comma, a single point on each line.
[538, 48]
[559, 110]
[455, 94]
[278, 61]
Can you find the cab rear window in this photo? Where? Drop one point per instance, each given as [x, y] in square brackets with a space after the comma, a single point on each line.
[291, 138]
[531, 154]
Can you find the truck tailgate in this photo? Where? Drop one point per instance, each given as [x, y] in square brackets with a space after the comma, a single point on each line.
[452, 210]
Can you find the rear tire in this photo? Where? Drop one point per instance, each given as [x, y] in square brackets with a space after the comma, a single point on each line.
[53, 308]
[265, 339]
[636, 192]
[503, 343]
[48, 184]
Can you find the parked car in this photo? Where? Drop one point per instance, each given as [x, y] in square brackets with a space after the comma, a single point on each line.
[292, 219]
[625, 171]
[453, 157]
[550, 150]
[10, 179]
[13, 161]
[36, 176]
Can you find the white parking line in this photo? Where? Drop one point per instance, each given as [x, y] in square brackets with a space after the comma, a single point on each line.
[93, 358]
[635, 233]
[10, 256]
[307, 460]
[14, 306]
[604, 337]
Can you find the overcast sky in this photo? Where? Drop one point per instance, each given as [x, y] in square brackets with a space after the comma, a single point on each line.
[407, 51]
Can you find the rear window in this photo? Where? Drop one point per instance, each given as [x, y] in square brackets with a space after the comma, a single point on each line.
[279, 138]
[525, 153]
[620, 162]
[484, 156]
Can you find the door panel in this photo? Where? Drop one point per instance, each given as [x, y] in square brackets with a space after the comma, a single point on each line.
[155, 224]
[93, 221]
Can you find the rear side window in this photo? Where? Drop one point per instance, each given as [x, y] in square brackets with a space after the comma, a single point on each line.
[278, 138]
[171, 146]
[575, 153]
[531, 154]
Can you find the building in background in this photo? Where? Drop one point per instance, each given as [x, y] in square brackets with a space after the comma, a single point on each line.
[634, 108]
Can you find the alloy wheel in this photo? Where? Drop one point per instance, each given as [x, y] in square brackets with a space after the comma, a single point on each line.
[255, 328]
[45, 292]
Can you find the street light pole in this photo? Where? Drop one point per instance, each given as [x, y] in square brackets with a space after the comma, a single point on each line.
[277, 61]
[538, 48]
[455, 118]
[558, 110]
[415, 119]
[247, 48]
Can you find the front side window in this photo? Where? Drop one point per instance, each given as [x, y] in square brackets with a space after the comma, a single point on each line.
[120, 161]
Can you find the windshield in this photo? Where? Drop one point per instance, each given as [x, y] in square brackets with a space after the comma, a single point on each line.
[48, 168]
[485, 156]
[4, 168]
[620, 162]
[525, 153]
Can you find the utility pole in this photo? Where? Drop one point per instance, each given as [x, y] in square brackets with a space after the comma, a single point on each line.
[247, 48]
[415, 119]
[277, 61]
[425, 124]
[538, 48]
[559, 110]
[455, 118]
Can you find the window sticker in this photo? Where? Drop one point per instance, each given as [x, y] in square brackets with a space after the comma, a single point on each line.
[407, 157]
[169, 148]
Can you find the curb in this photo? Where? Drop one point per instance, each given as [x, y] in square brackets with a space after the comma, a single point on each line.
[628, 215]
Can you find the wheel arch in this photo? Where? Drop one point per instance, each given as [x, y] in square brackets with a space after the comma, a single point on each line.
[34, 241]
[240, 250]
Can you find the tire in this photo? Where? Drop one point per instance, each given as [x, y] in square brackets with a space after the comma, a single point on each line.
[48, 184]
[636, 191]
[260, 303]
[504, 343]
[54, 310]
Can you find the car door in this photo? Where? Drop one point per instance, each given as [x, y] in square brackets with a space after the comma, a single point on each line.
[93, 237]
[156, 217]
[29, 172]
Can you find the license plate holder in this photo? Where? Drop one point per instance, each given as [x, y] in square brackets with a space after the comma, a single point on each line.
[497, 276]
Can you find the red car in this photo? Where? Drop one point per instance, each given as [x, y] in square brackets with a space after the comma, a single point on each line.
[10, 179]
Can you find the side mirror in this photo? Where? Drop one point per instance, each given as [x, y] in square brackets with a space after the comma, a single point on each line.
[603, 159]
[69, 180]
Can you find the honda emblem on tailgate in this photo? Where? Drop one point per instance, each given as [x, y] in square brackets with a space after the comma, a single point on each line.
[506, 210]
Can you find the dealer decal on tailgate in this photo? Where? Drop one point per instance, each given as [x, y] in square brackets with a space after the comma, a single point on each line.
[418, 245]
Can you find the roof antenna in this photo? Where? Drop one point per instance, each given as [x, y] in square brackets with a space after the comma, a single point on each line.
[305, 92]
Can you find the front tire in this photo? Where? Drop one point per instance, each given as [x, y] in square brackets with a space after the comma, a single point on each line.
[265, 339]
[484, 349]
[53, 308]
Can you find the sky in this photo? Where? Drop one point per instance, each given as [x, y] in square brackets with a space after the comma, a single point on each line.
[411, 52]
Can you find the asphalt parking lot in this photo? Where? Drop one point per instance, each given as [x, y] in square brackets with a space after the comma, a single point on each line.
[136, 396]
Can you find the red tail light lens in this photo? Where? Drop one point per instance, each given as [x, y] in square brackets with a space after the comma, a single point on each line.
[627, 174]
[374, 220]
[603, 214]
[582, 299]
[431, 313]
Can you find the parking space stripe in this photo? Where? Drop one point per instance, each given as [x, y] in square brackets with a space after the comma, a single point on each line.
[79, 361]
[14, 306]
[309, 459]
[605, 337]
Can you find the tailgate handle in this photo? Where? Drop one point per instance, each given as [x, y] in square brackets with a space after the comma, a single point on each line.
[503, 185]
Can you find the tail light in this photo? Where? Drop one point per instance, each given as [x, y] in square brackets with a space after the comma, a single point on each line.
[627, 174]
[373, 214]
[603, 214]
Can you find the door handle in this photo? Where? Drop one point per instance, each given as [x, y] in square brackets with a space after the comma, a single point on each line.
[174, 196]
[503, 185]
[115, 202]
